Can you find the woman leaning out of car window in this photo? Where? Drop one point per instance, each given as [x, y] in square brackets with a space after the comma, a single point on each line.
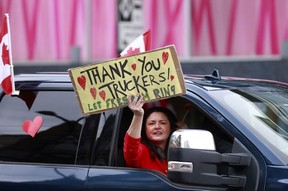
[145, 142]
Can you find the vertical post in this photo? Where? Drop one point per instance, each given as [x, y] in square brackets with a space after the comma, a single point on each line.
[75, 55]
[284, 49]
[14, 92]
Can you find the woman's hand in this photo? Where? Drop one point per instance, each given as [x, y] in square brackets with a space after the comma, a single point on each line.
[135, 103]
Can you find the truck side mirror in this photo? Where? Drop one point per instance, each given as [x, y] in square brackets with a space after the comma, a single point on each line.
[193, 160]
[193, 139]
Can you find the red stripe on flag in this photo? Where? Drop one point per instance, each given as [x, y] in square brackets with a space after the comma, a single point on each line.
[147, 40]
[140, 44]
[5, 72]
[7, 85]
[4, 29]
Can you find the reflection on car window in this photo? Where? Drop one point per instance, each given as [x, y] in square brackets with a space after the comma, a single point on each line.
[104, 138]
[192, 117]
[96, 139]
[263, 110]
[56, 140]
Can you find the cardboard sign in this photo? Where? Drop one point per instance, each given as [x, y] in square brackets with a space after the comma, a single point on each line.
[155, 75]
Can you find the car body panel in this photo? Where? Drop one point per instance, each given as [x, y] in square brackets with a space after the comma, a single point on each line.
[129, 179]
[277, 178]
[43, 177]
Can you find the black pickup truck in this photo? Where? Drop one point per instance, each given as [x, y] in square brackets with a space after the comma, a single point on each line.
[234, 137]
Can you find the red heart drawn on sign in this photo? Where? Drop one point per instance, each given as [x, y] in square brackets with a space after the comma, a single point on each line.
[102, 94]
[165, 56]
[32, 127]
[133, 66]
[93, 92]
[171, 77]
[82, 81]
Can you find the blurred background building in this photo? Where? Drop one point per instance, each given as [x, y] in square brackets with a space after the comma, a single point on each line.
[244, 38]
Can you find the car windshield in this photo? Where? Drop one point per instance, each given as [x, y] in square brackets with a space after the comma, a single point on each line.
[264, 109]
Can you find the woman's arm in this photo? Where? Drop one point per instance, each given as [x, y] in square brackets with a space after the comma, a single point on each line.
[135, 103]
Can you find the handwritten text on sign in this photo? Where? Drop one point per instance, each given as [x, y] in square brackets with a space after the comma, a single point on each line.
[155, 74]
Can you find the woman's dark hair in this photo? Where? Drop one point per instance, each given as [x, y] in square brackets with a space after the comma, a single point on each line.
[155, 151]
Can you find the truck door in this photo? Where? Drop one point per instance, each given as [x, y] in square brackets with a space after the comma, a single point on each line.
[46, 160]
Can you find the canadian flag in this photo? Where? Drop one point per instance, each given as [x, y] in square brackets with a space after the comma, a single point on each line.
[140, 44]
[5, 65]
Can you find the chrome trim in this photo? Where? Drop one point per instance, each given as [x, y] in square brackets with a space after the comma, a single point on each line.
[177, 166]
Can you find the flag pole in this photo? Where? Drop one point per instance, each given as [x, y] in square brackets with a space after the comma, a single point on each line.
[14, 92]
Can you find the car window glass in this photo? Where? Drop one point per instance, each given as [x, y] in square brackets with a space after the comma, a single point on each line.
[96, 139]
[191, 116]
[57, 138]
[105, 132]
[87, 140]
[262, 111]
[124, 125]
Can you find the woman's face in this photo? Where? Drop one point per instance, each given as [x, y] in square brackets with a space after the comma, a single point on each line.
[158, 128]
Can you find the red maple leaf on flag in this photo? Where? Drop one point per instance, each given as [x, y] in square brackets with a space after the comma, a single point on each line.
[140, 44]
[132, 51]
[5, 55]
[5, 62]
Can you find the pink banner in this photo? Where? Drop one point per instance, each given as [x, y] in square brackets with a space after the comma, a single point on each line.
[48, 30]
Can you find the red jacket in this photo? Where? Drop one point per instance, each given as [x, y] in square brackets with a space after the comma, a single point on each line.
[137, 155]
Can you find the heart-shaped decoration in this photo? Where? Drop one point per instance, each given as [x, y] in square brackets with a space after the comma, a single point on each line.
[133, 66]
[171, 77]
[32, 127]
[165, 56]
[82, 81]
[102, 94]
[93, 92]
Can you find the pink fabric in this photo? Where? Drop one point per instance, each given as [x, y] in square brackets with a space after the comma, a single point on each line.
[284, 22]
[267, 17]
[47, 30]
